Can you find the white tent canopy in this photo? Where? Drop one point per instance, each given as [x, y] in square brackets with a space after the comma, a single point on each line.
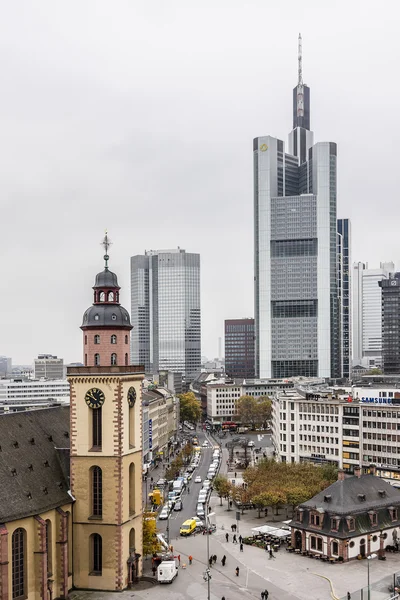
[274, 531]
[280, 533]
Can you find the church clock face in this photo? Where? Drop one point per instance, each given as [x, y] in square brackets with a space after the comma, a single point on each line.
[131, 396]
[94, 398]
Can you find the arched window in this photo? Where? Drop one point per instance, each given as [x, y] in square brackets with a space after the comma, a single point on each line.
[97, 492]
[111, 296]
[126, 339]
[102, 296]
[97, 438]
[96, 554]
[131, 489]
[113, 339]
[18, 558]
[113, 358]
[85, 340]
[49, 548]
[97, 339]
[132, 541]
[335, 548]
[97, 359]
[126, 359]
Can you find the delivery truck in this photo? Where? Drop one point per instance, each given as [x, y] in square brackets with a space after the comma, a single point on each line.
[167, 571]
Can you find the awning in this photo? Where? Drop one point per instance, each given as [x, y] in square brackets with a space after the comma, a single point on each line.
[264, 529]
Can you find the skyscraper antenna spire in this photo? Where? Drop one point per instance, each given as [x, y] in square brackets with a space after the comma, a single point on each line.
[300, 59]
[106, 244]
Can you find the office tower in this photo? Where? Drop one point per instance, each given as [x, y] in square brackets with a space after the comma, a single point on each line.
[296, 299]
[165, 301]
[239, 348]
[344, 293]
[48, 366]
[5, 367]
[391, 323]
[367, 313]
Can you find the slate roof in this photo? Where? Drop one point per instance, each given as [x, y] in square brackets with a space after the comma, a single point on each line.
[106, 279]
[34, 462]
[345, 495]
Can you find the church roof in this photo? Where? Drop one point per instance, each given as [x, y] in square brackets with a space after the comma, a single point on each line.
[34, 462]
[355, 494]
[106, 279]
[106, 315]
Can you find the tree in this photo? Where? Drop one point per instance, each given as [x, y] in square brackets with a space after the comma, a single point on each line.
[260, 501]
[150, 541]
[264, 408]
[375, 371]
[222, 487]
[297, 495]
[247, 411]
[190, 409]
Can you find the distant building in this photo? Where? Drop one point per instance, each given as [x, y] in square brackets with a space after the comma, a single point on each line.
[165, 301]
[160, 423]
[344, 294]
[239, 348]
[33, 392]
[48, 366]
[5, 366]
[391, 324]
[367, 313]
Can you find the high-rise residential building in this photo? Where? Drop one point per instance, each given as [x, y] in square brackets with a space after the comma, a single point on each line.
[367, 313]
[239, 348]
[48, 366]
[295, 229]
[165, 301]
[391, 323]
[344, 294]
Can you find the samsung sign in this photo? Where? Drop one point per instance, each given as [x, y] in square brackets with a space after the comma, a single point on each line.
[376, 400]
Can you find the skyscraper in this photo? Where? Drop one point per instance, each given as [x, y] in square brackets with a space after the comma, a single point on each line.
[165, 311]
[391, 324]
[296, 297]
[367, 313]
[239, 348]
[344, 294]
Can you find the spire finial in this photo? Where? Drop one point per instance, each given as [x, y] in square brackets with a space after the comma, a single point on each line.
[300, 59]
[106, 244]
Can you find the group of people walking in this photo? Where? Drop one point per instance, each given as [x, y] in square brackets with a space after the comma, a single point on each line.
[235, 539]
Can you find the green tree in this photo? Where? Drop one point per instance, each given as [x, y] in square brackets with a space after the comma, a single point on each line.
[222, 487]
[261, 502]
[247, 411]
[264, 408]
[150, 541]
[297, 495]
[190, 409]
[375, 371]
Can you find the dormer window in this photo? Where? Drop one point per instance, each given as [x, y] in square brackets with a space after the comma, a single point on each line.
[393, 513]
[335, 523]
[373, 517]
[351, 523]
[315, 520]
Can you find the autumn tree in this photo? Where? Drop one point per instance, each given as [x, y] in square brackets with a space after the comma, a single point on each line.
[190, 409]
[255, 412]
[150, 540]
[222, 487]
[264, 408]
[260, 501]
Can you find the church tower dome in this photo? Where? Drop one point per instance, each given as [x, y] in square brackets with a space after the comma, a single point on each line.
[106, 324]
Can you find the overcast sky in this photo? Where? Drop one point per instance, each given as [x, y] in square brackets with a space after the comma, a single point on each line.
[139, 117]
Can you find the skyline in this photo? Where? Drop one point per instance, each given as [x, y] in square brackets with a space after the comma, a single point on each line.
[108, 123]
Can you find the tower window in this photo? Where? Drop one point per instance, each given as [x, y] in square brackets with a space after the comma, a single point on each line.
[96, 317]
[126, 360]
[97, 339]
[113, 339]
[126, 339]
[111, 296]
[113, 358]
[114, 317]
[97, 428]
[85, 340]
[18, 564]
[102, 296]
[97, 492]
[96, 550]
[49, 548]
[97, 359]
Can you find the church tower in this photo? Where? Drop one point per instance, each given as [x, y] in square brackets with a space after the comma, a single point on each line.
[106, 446]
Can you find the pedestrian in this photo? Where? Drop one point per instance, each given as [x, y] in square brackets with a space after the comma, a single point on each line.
[348, 596]
[232, 528]
[230, 504]
[190, 557]
[266, 512]
[154, 569]
[227, 537]
[240, 539]
[266, 594]
[223, 561]
[210, 561]
[270, 553]
[215, 558]
[262, 595]
[179, 559]
[234, 539]
[241, 547]
[237, 571]
[235, 475]
[223, 598]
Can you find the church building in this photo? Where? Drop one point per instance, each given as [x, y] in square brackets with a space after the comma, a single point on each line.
[71, 478]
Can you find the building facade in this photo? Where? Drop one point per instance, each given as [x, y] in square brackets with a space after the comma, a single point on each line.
[5, 367]
[367, 313]
[47, 366]
[165, 307]
[160, 423]
[295, 231]
[239, 348]
[344, 272]
[15, 392]
[391, 323]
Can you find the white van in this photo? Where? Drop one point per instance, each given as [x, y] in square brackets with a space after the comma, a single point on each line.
[167, 571]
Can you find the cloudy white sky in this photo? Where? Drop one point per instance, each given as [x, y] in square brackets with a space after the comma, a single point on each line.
[139, 117]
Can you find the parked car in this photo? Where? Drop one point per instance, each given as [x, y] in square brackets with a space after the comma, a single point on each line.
[178, 506]
[199, 522]
[164, 514]
[200, 511]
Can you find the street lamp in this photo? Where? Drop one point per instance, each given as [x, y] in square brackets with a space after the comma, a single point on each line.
[370, 557]
[207, 574]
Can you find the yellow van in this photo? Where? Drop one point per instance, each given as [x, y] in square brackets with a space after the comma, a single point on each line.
[188, 527]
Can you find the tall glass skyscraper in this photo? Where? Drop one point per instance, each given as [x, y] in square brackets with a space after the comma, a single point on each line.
[165, 312]
[344, 293]
[295, 229]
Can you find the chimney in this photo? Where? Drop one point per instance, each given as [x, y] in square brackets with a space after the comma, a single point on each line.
[357, 472]
[372, 469]
[340, 475]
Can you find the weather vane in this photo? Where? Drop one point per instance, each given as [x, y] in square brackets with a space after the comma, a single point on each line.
[106, 244]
